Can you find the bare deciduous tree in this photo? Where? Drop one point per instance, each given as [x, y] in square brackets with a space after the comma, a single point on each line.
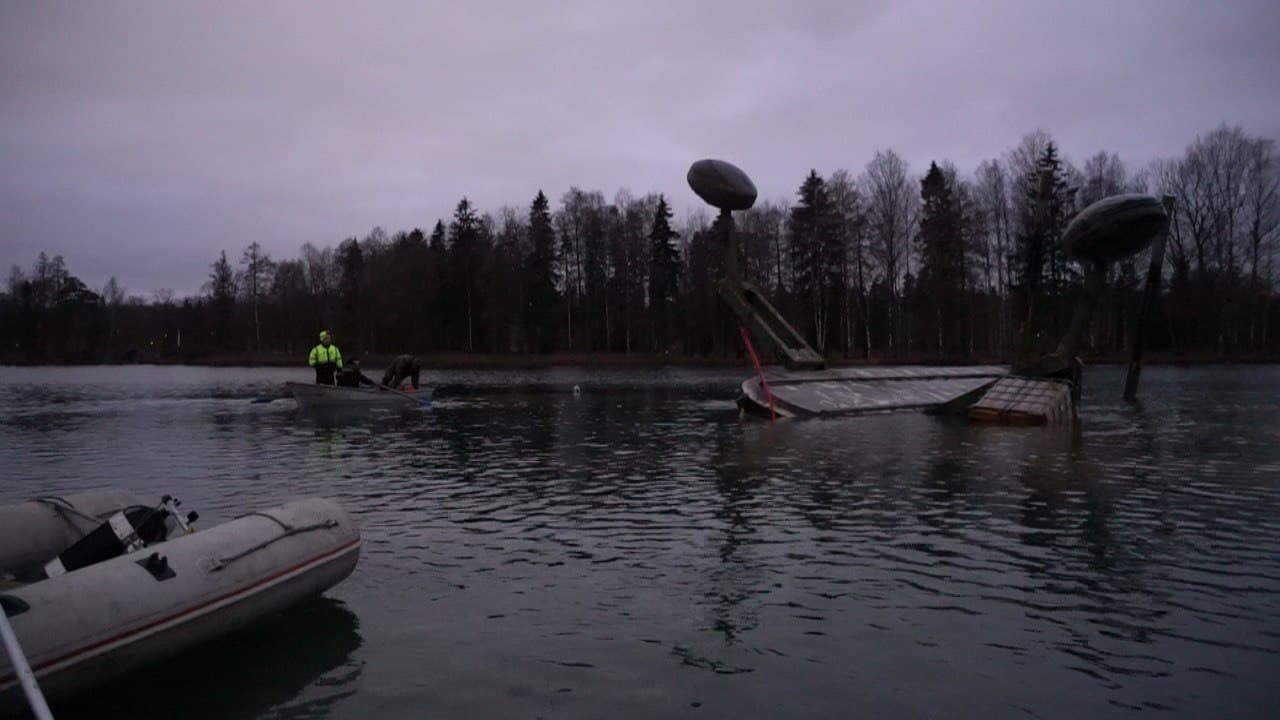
[892, 205]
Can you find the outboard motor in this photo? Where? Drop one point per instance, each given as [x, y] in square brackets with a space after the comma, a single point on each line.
[124, 532]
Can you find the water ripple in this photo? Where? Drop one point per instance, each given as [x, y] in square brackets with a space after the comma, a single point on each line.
[638, 550]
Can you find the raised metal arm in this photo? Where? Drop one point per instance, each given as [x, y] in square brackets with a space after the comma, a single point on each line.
[726, 187]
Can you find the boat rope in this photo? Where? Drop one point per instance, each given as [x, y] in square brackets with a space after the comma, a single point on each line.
[746, 340]
[289, 531]
[283, 525]
[65, 510]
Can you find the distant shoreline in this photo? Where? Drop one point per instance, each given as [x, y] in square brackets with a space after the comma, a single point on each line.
[511, 361]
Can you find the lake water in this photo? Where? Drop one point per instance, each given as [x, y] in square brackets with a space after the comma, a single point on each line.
[637, 550]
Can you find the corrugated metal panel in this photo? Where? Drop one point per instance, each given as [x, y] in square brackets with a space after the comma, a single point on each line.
[1025, 401]
[867, 389]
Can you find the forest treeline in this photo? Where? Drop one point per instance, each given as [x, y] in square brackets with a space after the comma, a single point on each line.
[880, 264]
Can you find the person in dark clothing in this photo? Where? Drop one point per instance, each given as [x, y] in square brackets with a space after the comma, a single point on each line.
[352, 377]
[402, 368]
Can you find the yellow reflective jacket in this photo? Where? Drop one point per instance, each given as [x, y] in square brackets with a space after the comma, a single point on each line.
[321, 354]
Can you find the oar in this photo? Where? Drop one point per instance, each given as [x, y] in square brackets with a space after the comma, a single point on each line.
[402, 394]
[22, 669]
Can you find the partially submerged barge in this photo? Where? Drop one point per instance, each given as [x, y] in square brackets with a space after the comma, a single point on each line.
[1043, 391]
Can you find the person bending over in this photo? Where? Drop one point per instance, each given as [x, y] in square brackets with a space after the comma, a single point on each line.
[404, 367]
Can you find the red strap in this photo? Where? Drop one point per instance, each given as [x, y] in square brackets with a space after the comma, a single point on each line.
[746, 340]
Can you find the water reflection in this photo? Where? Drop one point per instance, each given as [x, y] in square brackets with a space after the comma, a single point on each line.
[296, 664]
[740, 575]
[356, 416]
[637, 549]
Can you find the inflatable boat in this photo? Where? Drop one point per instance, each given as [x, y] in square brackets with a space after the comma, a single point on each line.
[163, 588]
[313, 396]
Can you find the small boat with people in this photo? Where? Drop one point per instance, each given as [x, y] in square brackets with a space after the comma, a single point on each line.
[97, 584]
[345, 387]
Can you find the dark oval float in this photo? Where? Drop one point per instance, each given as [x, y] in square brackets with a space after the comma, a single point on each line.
[722, 184]
[1114, 228]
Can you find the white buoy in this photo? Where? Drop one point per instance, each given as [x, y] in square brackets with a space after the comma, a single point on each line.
[577, 391]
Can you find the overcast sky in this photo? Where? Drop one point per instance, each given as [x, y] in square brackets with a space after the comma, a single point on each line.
[140, 139]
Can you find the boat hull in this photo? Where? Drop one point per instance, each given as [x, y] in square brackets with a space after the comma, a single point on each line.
[313, 396]
[91, 625]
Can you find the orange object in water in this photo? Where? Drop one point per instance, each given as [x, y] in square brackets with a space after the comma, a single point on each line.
[746, 340]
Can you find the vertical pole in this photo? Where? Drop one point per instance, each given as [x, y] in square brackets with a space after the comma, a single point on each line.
[22, 669]
[730, 249]
[1095, 281]
[1149, 298]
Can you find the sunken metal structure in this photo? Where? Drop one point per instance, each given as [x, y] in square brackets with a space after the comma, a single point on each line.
[1043, 390]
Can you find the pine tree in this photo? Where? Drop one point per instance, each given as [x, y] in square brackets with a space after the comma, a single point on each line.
[1041, 267]
[351, 289]
[464, 259]
[222, 298]
[816, 249]
[941, 249]
[438, 279]
[1044, 212]
[664, 273]
[540, 276]
[438, 237]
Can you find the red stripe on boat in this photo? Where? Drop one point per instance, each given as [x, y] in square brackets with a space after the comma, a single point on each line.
[6, 679]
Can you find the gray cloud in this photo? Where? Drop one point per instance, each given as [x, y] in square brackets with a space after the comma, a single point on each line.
[142, 138]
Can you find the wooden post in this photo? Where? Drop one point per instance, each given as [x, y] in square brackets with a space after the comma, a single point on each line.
[1149, 299]
[725, 221]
